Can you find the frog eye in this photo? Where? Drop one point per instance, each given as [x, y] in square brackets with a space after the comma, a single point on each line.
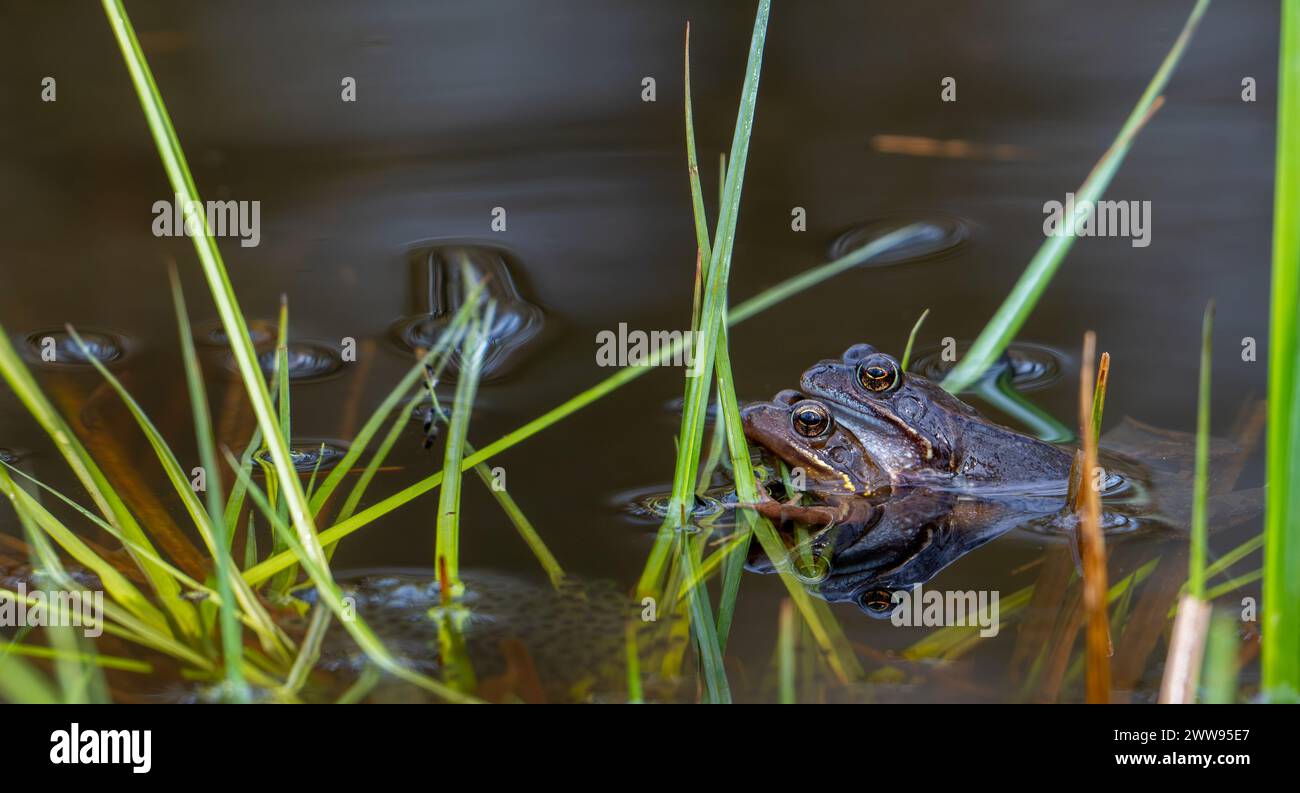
[879, 374]
[877, 601]
[810, 419]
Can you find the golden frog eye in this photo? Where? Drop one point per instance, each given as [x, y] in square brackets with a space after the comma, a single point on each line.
[877, 600]
[810, 419]
[879, 374]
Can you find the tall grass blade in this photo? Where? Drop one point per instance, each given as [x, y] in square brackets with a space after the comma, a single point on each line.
[1200, 483]
[447, 547]
[1279, 617]
[717, 689]
[1017, 306]
[712, 311]
[227, 576]
[312, 556]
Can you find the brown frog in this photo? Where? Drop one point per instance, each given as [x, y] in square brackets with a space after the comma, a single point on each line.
[832, 463]
[917, 433]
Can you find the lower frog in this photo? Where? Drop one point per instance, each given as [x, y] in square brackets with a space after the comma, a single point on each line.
[831, 463]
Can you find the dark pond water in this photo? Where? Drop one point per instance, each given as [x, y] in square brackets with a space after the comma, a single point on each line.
[464, 107]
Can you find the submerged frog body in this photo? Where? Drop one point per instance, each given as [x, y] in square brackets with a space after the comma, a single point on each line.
[914, 431]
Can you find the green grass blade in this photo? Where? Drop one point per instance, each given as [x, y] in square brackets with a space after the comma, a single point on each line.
[717, 689]
[214, 270]
[308, 651]
[550, 565]
[635, 695]
[232, 644]
[22, 684]
[1017, 306]
[101, 661]
[1220, 670]
[1200, 484]
[437, 353]
[1279, 617]
[911, 340]
[400, 419]
[447, 544]
[714, 303]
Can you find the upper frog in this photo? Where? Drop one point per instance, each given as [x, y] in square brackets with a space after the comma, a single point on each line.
[915, 431]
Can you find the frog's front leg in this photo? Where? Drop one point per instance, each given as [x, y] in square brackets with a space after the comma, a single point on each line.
[839, 509]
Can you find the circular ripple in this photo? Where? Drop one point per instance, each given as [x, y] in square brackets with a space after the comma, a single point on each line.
[654, 506]
[260, 332]
[306, 360]
[443, 276]
[939, 235]
[1033, 366]
[105, 346]
[305, 455]
[811, 569]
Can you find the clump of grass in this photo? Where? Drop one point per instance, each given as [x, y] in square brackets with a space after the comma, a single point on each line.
[713, 357]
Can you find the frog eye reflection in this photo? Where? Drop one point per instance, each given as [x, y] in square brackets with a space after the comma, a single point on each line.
[810, 419]
[879, 374]
[878, 601]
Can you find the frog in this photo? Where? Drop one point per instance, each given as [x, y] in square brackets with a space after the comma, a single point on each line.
[918, 433]
[833, 463]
